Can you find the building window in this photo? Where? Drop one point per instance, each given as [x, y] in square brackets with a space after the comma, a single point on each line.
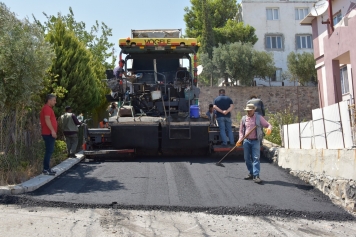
[344, 80]
[337, 18]
[272, 13]
[277, 75]
[273, 42]
[301, 13]
[304, 42]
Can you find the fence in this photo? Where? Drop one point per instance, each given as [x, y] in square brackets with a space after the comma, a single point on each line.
[331, 127]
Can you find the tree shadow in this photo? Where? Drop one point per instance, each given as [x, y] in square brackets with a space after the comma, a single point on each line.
[78, 176]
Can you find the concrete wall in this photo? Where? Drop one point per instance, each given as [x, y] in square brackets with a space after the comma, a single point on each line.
[274, 98]
[334, 163]
[254, 14]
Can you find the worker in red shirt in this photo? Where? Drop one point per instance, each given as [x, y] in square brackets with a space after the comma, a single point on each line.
[104, 124]
[49, 132]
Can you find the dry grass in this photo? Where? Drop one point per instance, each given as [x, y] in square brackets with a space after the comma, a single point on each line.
[22, 174]
[22, 146]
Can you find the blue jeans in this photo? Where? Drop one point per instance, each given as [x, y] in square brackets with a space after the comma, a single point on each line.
[49, 143]
[252, 156]
[225, 128]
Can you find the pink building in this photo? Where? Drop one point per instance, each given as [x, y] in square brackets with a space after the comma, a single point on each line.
[334, 49]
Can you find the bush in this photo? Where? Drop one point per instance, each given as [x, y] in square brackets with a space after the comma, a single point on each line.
[60, 152]
[277, 120]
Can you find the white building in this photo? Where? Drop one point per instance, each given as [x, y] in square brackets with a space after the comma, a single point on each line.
[277, 24]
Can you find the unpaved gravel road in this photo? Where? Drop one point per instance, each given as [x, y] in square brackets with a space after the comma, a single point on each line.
[44, 221]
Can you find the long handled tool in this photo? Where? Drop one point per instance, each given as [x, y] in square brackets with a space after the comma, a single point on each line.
[219, 163]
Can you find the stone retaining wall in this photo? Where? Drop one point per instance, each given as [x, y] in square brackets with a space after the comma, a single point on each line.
[274, 98]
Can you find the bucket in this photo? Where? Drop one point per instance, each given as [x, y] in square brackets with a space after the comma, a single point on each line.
[156, 95]
[194, 111]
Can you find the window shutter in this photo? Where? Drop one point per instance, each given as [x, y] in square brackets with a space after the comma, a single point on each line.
[298, 42]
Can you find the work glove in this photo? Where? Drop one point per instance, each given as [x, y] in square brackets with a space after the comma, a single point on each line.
[268, 131]
[239, 143]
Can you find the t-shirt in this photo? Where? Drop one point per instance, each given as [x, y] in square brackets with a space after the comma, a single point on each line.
[47, 111]
[118, 71]
[223, 102]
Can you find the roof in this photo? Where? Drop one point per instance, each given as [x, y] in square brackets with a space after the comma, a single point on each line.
[307, 20]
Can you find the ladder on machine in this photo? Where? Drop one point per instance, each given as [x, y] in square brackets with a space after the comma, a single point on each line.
[178, 132]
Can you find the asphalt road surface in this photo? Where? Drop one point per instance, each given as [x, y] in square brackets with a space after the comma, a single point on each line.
[187, 184]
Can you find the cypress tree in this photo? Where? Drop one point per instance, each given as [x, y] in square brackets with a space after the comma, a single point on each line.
[73, 70]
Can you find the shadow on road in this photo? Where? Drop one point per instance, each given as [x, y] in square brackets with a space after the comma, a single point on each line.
[79, 176]
[287, 184]
[232, 158]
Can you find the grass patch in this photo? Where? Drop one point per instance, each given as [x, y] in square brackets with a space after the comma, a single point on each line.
[277, 120]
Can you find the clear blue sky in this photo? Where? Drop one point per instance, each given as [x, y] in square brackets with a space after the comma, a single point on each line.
[121, 16]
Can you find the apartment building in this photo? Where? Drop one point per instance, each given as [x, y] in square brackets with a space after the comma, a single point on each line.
[334, 50]
[278, 28]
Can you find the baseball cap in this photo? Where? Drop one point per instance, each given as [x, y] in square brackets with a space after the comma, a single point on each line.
[105, 120]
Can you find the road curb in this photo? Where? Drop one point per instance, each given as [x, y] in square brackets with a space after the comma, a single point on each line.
[40, 180]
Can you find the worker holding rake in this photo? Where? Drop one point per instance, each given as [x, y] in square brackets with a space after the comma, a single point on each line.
[252, 142]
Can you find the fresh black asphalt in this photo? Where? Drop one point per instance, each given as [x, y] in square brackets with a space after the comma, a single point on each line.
[184, 184]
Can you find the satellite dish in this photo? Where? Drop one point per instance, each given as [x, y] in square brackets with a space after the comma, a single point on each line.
[319, 8]
[200, 69]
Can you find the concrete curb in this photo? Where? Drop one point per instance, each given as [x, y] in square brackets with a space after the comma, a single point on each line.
[40, 180]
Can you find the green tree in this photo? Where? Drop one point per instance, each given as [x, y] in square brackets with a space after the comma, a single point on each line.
[301, 68]
[24, 58]
[235, 32]
[263, 65]
[73, 70]
[207, 37]
[96, 40]
[239, 62]
[210, 74]
[220, 54]
[225, 20]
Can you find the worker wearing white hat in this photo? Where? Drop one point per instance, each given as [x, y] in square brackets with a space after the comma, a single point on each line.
[251, 144]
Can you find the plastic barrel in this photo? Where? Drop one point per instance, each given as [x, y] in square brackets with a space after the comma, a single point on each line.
[194, 111]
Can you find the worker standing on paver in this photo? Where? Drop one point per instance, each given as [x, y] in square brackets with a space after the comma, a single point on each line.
[257, 102]
[112, 109]
[223, 106]
[119, 71]
[49, 132]
[211, 113]
[252, 143]
[69, 126]
[104, 123]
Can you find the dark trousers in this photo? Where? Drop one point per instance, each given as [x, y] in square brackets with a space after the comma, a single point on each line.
[49, 143]
[72, 143]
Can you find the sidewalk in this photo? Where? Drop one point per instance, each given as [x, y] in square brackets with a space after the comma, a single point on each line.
[40, 180]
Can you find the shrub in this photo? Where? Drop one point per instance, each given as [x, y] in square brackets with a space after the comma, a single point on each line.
[277, 120]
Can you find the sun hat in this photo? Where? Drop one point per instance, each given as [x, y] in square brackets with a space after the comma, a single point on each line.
[250, 107]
